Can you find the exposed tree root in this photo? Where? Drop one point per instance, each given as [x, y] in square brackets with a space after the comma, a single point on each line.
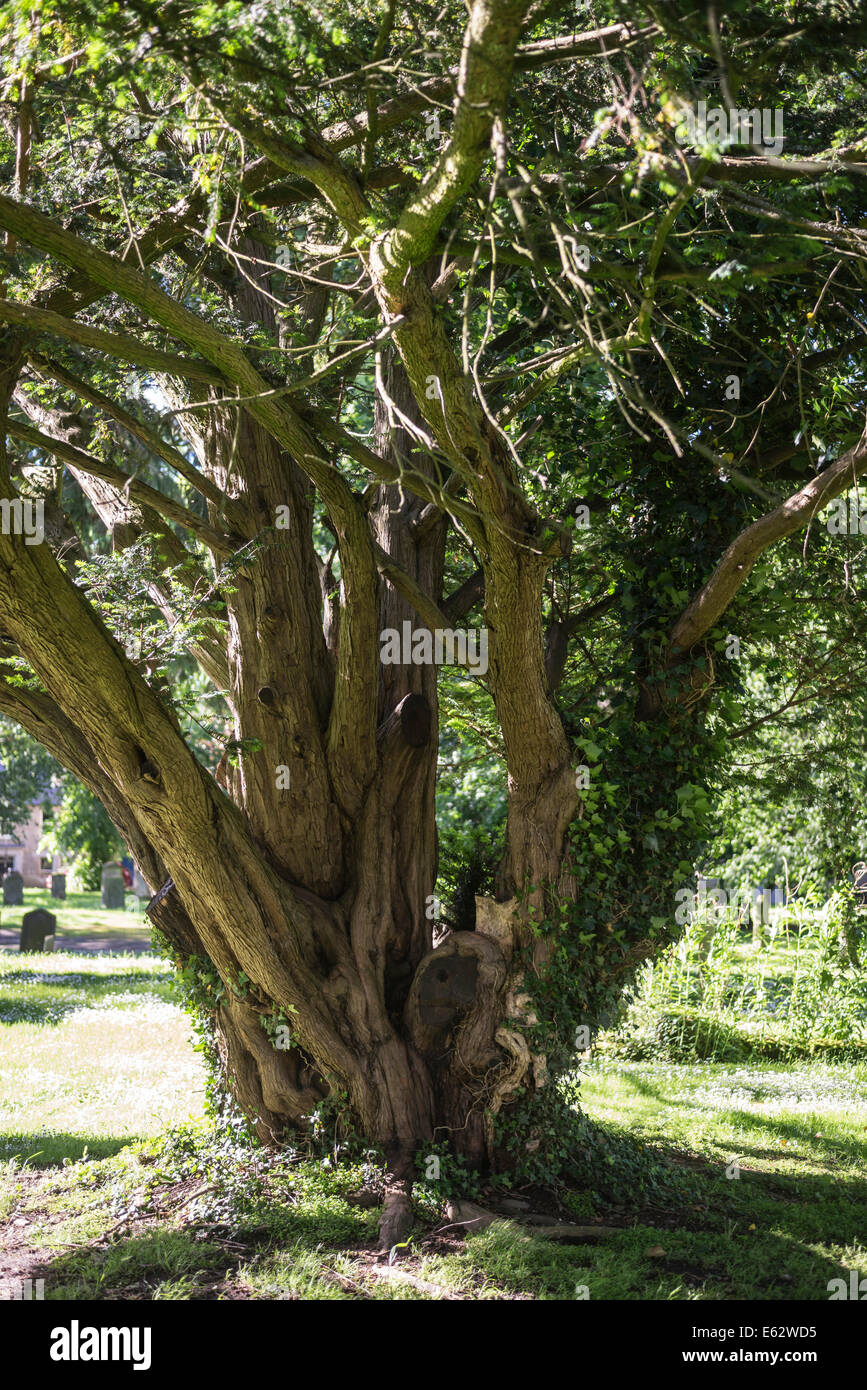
[475, 1218]
[469, 1216]
[397, 1218]
[568, 1234]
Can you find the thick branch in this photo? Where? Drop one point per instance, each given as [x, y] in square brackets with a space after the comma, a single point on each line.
[139, 431]
[484, 79]
[594, 43]
[352, 726]
[139, 491]
[709, 604]
[115, 344]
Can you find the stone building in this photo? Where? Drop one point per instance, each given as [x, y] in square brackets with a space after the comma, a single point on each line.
[20, 851]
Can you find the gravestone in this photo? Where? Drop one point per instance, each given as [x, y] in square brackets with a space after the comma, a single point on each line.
[37, 930]
[58, 886]
[859, 874]
[13, 890]
[139, 887]
[141, 890]
[112, 887]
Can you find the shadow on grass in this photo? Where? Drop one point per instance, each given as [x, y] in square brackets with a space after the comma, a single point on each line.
[194, 1264]
[85, 979]
[770, 1236]
[51, 1150]
[802, 1131]
[799, 1131]
[30, 996]
[135, 1265]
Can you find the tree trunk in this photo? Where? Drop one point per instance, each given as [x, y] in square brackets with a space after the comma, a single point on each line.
[316, 893]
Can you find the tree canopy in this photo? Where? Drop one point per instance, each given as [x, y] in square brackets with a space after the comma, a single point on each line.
[322, 321]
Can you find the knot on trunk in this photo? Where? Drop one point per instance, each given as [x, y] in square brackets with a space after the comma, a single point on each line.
[409, 721]
[458, 986]
[498, 922]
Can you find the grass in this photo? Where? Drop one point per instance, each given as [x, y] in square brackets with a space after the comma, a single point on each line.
[205, 1218]
[792, 993]
[96, 1052]
[780, 1154]
[113, 1185]
[80, 919]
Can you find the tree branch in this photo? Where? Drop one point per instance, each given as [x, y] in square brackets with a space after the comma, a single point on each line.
[709, 604]
[594, 43]
[484, 78]
[125, 482]
[352, 727]
[128, 349]
[146, 436]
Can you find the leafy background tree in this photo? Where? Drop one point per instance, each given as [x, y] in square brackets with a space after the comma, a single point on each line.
[26, 774]
[81, 831]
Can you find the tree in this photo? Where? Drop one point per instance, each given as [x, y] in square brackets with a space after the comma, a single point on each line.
[26, 772]
[81, 830]
[355, 321]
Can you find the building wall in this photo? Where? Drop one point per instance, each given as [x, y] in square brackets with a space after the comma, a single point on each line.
[23, 849]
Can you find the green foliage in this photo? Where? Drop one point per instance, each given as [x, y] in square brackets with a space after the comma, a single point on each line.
[26, 775]
[758, 762]
[794, 989]
[550, 1141]
[82, 831]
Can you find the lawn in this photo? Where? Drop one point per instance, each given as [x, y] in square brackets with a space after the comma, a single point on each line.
[81, 922]
[112, 1184]
[95, 1051]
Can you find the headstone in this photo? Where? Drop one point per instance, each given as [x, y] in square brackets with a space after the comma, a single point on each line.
[13, 890]
[58, 886]
[37, 930]
[139, 887]
[859, 874]
[113, 887]
[778, 897]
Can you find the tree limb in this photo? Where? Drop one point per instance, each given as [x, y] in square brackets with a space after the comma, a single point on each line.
[352, 726]
[125, 482]
[146, 436]
[709, 604]
[115, 344]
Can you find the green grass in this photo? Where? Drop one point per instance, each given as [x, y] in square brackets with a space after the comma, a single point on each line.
[204, 1216]
[96, 1052]
[80, 917]
[797, 1213]
[109, 1190]
[793, 993]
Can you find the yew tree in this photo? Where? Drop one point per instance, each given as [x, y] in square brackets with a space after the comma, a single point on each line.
[320, 320]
